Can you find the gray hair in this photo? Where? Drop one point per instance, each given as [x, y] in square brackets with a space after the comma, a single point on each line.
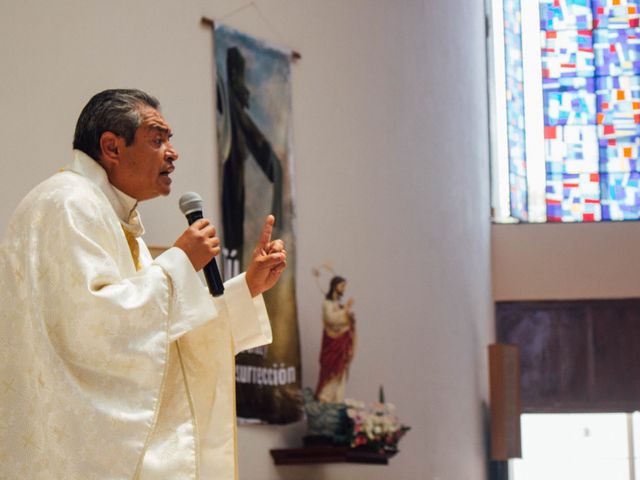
[116, 111]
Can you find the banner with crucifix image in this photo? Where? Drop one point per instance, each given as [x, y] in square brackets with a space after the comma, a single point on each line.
[253, 105]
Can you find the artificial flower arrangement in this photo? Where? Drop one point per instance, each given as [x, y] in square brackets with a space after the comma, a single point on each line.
[352, 423]
[375, 427]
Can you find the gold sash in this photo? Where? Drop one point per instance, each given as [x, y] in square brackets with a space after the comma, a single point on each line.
[134, 247]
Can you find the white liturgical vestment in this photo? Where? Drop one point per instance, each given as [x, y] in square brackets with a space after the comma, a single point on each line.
[109, 371]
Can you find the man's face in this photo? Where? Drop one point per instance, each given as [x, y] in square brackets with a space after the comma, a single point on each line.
[145, 165]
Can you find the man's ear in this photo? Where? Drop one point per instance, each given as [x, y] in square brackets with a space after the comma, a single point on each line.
[109, 149]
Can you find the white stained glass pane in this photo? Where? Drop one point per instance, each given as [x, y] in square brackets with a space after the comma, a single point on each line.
[573, 446]
[534, 117]
[499, 145]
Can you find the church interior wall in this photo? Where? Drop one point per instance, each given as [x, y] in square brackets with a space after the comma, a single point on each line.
[391, 180]
[565, 261]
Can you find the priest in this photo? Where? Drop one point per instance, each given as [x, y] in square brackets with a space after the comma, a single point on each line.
[116, 365]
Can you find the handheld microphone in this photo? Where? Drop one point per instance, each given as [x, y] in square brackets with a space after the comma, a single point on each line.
[191, 205]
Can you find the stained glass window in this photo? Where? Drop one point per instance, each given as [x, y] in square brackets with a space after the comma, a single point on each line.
[515, 108]
[587, 55]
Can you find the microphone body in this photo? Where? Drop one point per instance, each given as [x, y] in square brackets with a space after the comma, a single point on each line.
[210, 270]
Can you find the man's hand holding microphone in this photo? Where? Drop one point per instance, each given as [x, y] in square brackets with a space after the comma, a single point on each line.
[201, 245]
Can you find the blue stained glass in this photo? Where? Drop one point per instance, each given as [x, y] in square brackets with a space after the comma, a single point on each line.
[565, 14]
[569, 83]
[518, 194]
[615, 14]
[515, 109]
[571, 149]
[619, 94]
[618, 103]
[567, 53]
[591, 100]
[591, 106]
[619, 155]
[618, 131]
[577, 107]
[573, 197]
[617, 52]
[620, 196]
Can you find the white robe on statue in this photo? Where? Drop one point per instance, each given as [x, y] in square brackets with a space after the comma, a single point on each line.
[108, 372]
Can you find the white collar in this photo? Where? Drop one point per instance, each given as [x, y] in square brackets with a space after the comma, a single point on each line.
[124, 205]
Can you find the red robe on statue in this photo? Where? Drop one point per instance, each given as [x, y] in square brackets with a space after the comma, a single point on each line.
[336, 354]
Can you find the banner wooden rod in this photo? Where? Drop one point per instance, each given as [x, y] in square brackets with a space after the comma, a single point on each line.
[209, 22]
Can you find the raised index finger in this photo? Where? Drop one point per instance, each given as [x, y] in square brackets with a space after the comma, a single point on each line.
[265, 237]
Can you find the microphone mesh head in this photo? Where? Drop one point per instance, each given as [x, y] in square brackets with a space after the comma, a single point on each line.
[190, 202]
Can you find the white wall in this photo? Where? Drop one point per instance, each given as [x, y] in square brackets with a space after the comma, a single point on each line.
[390, 139]
[565, 261]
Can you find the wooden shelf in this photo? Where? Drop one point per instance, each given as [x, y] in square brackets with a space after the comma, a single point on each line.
[327, 454]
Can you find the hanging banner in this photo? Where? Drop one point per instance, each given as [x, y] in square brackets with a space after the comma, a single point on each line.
[253, 105]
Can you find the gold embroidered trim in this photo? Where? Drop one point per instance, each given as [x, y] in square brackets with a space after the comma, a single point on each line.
[134, 247]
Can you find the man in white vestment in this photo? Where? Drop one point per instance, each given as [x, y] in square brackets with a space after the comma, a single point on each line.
[116, 365]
